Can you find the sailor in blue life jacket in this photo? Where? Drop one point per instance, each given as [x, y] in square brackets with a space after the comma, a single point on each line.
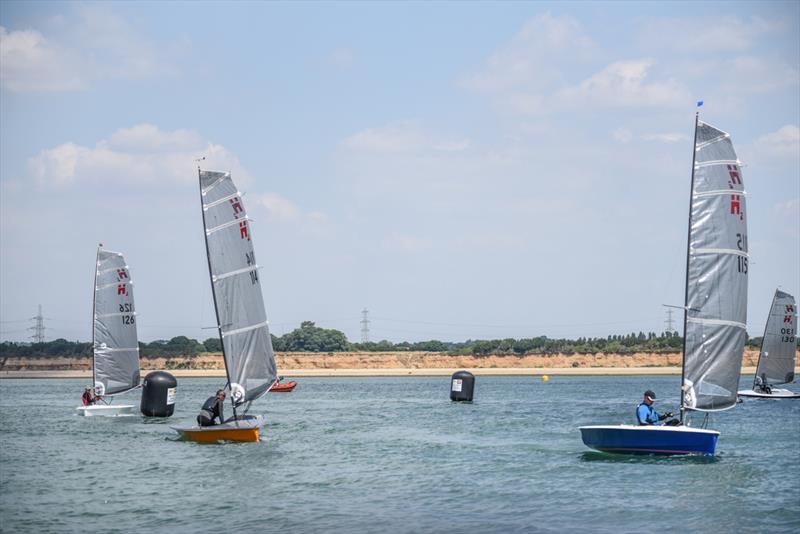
[212, 409]
[646, 414]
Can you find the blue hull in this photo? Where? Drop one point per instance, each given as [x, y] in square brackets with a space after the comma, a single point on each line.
[650, 440]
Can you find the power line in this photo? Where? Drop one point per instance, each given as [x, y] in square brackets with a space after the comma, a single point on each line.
[38, 327]
[365, 326]
[668, 321]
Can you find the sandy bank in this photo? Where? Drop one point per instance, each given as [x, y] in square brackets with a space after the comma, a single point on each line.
[300, 364]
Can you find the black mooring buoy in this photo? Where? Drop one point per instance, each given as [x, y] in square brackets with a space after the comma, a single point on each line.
[158, 394]
[462, 384]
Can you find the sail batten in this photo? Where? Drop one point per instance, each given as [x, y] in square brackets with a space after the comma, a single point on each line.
[239, 304]
[716, 277]
[115, 341]
[777, 357]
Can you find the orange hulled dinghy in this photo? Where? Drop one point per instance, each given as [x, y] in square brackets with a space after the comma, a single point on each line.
[283, 387]
[239, 304]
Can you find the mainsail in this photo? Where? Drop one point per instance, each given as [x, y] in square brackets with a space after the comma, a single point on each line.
[116, 346]
[778, 348]
[716, 275]
[242, 321]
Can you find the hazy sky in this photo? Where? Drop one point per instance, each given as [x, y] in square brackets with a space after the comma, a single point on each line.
[463, 170]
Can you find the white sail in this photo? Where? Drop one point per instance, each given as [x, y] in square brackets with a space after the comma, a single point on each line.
[716, 281]
[115, 343]
[779, 346]
[241, 318]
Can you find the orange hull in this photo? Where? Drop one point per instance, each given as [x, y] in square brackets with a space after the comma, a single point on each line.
[283, 388]
[246, 435]
[245, 429]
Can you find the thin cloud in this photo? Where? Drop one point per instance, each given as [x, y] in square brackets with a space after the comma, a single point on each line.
[704, 35]
[666, 137]
[92, 44]
[343, 58]
[783, 143]
[407, 244]
[623, 84]
[402, 136]
[29, 62]
[532, 58]
[142, 153]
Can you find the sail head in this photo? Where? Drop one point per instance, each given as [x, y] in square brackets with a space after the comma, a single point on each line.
[779, 347]
[246, 341]
[716, 294]
[116, 345]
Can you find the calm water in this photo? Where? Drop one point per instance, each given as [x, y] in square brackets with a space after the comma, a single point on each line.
[393, 455]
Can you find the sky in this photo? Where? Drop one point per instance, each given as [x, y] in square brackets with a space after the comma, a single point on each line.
[463, 170]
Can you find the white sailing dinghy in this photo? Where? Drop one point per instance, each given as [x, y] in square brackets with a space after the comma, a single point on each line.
[715, 310]
[776, 360]
[115, 345]
[239, 304]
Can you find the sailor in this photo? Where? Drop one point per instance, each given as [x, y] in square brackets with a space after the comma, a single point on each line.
[212, 409]
[646, 414]
[87, 397]
[763, 386]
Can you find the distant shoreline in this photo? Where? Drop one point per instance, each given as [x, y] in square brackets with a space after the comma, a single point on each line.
[331, 364]
[329, 373]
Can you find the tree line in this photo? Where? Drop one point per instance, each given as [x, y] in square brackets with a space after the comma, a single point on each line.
[312, 338]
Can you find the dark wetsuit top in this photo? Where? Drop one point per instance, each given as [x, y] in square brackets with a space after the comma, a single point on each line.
[214, 406]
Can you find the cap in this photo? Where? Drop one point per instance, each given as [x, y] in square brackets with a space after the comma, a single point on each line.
[649, 393]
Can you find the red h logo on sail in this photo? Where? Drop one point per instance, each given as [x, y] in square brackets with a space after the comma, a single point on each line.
[243, 230]
[122, 289]
[787, 318]
[736, 204]
[790, 308]
[121, 274]
[736, 178]
[236, 204]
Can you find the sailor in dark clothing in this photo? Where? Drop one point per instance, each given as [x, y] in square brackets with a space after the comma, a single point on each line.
[212, 409]
[763, 386]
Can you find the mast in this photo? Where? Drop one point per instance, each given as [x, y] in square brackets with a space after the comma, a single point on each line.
[211, 275]
[763, 338]
[94, 313]
[688, 251]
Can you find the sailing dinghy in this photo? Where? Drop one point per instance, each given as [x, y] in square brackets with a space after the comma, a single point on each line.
[715, 310]
[778, 351]
[239, 305]
[115, 353]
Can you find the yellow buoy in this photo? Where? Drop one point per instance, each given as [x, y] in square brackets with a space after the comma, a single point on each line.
[545, 378]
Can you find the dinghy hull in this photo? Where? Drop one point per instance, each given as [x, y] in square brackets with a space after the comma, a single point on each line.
[667, 440]
[245, 430]
[283, 388]
[776, 394]
[106, 410]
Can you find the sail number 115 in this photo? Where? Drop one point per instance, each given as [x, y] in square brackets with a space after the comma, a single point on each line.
[741, 244]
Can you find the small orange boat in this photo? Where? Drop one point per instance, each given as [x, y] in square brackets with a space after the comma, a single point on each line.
[246, 429]
[283, 388]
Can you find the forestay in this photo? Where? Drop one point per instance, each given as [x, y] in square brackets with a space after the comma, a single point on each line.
[777, 358]
[716, 292]
[242, 320]
[116, 346]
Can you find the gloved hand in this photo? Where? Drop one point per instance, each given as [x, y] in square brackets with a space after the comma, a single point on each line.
[668, 414]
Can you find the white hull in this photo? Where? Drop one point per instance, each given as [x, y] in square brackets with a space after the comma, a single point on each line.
[106, 410]
[777, 393]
